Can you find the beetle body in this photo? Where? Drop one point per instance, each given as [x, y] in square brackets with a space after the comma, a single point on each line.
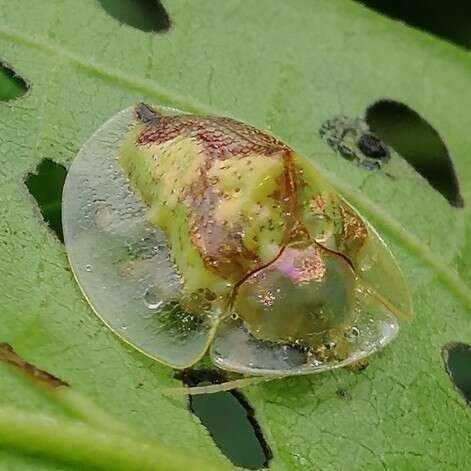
[276, 271]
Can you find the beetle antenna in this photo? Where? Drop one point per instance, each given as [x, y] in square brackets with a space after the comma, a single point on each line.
[145, 113]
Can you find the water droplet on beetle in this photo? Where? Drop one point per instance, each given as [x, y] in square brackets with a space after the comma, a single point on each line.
[152, 299]
[315, 362]
[352, 333]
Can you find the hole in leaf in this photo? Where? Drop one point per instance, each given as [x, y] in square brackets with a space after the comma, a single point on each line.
[419, 143]
[229, 419]
[146, 15]
[457, 358]
[448, 20]
[11, 85]
[46, 187]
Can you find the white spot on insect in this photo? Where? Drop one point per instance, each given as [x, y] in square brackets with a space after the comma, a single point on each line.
[352, 333]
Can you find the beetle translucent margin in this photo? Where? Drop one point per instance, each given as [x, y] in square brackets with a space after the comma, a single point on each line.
[190, 234]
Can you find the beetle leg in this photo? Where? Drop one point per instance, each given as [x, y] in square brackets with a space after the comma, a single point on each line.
[214, 388]
[358, 366]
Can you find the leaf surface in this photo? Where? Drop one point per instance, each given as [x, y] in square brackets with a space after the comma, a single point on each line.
[285, 67]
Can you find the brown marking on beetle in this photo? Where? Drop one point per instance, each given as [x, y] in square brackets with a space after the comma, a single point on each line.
[9, 356]
[355, 233]
[317, 205]
[337, 254]
[290, 192]
[254, 272]
[220, 246]
[311, 266]
[220, 137]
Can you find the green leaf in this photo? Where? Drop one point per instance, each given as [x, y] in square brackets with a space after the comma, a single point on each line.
[282, 66]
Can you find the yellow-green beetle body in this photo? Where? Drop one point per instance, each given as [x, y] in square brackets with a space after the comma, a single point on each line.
[267, 265]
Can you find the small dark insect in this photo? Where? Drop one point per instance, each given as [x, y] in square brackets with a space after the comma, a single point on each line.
[373, 147]
[353, 139]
